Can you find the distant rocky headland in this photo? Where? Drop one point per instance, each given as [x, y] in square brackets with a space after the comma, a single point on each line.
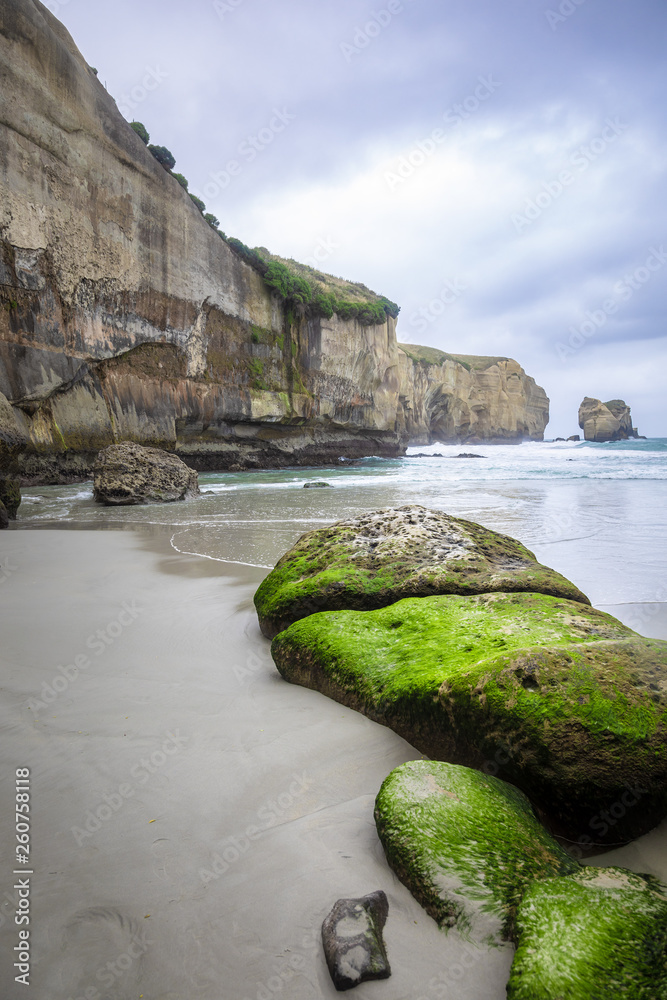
[126, 315]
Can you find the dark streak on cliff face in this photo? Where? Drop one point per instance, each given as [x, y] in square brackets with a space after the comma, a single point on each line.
[123, 315]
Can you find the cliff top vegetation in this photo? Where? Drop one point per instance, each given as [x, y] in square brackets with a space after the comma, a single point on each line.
[433, 356]
[307, 290]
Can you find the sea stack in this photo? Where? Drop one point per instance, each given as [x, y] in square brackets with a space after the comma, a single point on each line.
[609, 421]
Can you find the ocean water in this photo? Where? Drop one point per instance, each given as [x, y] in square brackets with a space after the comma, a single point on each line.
[595, 512]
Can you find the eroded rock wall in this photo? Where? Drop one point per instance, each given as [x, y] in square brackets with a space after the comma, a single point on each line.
[459, 401]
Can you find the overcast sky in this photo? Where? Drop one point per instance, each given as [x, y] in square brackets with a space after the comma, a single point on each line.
[497, 167]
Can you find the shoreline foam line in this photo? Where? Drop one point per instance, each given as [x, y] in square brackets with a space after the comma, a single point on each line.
[202, 555]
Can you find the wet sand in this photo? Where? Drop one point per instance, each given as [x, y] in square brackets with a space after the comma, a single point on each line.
[194, 817]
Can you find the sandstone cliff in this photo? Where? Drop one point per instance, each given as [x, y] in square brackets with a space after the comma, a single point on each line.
[606, 421]
[124, 315]
[469, 399]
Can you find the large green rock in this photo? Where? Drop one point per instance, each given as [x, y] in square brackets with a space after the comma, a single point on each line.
[466, 845]
[557, 697]
[600, 934]
[379, 558]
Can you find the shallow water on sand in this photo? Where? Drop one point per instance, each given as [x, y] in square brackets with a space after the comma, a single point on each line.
[596, 513]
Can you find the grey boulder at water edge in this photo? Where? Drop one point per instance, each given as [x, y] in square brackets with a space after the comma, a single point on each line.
[496, 667]
[128, 474]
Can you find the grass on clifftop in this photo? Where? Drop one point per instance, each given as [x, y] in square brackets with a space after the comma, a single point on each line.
[311, 292]
[433, 356]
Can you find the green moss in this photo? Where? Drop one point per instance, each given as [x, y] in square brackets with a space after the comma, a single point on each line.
[422, 643]
[570, 688]
[466, 845]
[256, 372]
[598, 934]
[378, 558]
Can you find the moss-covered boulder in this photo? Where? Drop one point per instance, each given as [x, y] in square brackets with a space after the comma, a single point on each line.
[556, 697]
[10, 496]
[379, 558]
[596, 935]
[466, 845]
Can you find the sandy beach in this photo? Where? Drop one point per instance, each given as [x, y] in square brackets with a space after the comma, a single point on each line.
[194, 817]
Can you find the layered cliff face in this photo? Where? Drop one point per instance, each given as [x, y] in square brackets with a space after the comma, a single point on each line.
[609, 421]
[469, 399]
[123, 315]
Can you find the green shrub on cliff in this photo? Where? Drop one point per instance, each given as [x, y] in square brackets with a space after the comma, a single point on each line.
[163, 156]
[256, 372]
[141, 131]
[249, 256]
[302, 291]
[198, 202]
[390, 307]
[211, 219]
[324, 304]
[181, 180]
[279, 278]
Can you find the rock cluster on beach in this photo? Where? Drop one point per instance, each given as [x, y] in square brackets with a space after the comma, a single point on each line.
[471, 850]
[566, 694]
[128, 473]
[460, 641]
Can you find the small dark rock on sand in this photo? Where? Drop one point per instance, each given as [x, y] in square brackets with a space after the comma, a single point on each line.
[352, 939]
